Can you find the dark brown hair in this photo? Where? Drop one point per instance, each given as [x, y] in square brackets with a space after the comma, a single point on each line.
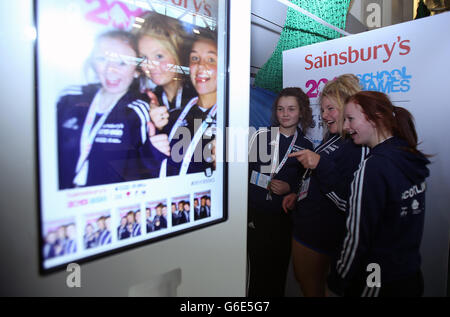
[303, 104]
[379, 109]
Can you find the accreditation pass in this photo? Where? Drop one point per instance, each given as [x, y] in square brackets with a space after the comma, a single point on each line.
[260, 179]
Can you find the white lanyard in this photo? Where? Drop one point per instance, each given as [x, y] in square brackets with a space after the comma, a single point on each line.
[177, 102]
[178, 123]
[304, 184]
[87, 138]
[275, 168]
[180, 119]
[198, 135]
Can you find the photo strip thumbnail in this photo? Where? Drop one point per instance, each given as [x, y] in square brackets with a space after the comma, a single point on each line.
[181, 210]
[129, 224]
[59, 238]
[156, 215]
[202, 205]
[97, 230]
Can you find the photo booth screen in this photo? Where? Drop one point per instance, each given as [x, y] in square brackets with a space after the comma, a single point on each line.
[131, 99]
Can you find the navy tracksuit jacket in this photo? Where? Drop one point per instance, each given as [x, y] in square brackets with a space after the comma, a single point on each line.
[385, 218]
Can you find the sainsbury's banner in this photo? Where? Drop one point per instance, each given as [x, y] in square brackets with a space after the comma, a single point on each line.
[411, 63]
[395, 60]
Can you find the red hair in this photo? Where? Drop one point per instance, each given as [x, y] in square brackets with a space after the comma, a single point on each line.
[396, 121]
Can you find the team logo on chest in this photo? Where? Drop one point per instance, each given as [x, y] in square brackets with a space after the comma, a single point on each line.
[415, 207]
[110, 133]
[413, 191]
[331, 148]
[404, 212]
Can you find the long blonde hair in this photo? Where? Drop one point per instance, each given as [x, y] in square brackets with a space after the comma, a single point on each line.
[339, 89]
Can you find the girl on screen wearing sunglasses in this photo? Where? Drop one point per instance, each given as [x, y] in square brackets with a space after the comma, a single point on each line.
[191, 131]
[102, 127]
[161, 42]
[386, 208]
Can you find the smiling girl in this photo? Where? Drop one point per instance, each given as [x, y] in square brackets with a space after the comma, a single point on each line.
[319, 218]
[161, 44]
[102, 127]
[386, 209]
[269, 233]
[192, 130]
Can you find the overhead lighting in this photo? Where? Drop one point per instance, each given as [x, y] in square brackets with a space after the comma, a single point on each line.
[139, 19]
[138, 26]
[196, 31]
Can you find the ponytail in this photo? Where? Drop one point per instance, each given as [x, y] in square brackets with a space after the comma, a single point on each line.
[405, 127]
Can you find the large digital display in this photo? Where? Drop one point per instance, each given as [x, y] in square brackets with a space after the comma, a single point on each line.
[131, 105]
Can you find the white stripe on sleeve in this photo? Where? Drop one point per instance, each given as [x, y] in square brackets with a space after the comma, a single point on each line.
[353, 223]
[340, 203]
[144, 107]
[141, 114]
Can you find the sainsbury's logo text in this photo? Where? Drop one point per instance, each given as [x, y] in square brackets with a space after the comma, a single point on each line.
[352, 55]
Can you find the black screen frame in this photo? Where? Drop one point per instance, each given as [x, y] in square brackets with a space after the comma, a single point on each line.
[46, 271]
